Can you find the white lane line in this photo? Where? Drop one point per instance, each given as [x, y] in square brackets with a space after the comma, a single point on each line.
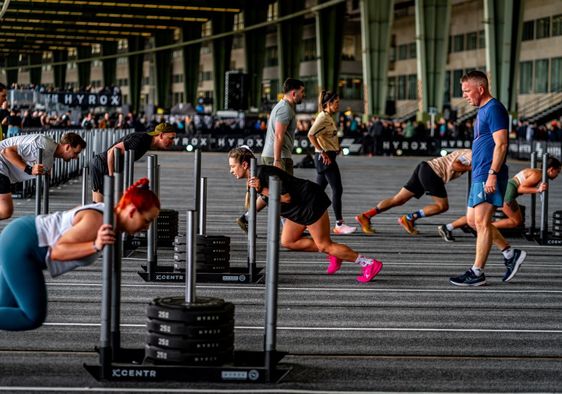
[135, 389]
[365, 329]
[494, 290]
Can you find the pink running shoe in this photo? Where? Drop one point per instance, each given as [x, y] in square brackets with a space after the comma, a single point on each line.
[334, 266]
[370, 271]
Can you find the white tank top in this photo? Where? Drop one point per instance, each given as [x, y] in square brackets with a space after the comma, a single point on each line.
[51, 227]
[520, 176]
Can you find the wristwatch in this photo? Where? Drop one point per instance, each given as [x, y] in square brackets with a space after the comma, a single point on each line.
[492, 172]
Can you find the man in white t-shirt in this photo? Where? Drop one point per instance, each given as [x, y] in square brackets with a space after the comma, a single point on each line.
[19, 158]
[279, 139]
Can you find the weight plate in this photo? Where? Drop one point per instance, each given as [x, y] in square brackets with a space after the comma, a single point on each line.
[557, 227]
[557, 221]
[557, 215]
[211, 311]
[180, 268]
[202, 243]
[207, 259]
[181, 248]
[159, 355]
[181, 330]
[190, 345]
[557, 234]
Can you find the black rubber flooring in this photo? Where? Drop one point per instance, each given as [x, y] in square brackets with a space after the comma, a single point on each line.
[408, 330]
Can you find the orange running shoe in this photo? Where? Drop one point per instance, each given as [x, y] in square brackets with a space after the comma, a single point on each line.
[365, 223]
[408, 225]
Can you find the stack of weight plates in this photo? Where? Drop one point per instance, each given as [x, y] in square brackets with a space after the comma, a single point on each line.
[199, 333]
[557, 224]
[511, 232]
[213, 253]
[167, 227]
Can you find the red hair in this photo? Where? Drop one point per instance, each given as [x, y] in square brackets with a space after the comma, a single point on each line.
[140, 196]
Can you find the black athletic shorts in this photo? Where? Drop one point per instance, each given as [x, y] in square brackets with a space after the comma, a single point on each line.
[98, 169]
[425, 181]
[5, 184]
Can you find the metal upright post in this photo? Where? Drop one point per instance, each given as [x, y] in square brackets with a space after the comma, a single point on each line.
[533, 225]
[131, 168]
[544, 200]
[105, 350]
[190, 257]
[117, 252]
[196, 182]
[85, 171]
[150, 234]
[252, 225]
[272, 270]
[38, 182]
[46, 193]
[126, 180]
[203, 207]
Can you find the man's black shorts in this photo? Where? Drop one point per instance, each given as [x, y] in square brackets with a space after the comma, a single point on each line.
[5, 184]
[98, 169]
[425, 181]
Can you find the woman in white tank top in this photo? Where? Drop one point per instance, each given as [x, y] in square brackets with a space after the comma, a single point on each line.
[60, 241]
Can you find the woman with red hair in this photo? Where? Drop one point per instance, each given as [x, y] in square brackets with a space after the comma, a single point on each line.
[60, 242]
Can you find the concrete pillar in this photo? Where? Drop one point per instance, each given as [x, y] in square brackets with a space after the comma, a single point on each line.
[164, 68]
[109, 66]
[59, 71]
[84, 68]
[255, 12]
[376, 21]
[289, 40]
[222, 49]
[135, 71]
[329, 44]
[191, 59]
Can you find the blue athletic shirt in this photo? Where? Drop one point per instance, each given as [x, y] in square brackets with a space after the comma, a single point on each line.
[491, 118]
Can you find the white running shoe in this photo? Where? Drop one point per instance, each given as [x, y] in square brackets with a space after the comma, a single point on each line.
[343, 229]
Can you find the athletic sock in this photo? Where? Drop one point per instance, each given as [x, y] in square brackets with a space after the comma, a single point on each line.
[363, 261]
[450, 227]
[339, 222]
[246, 214]
[372, 212]
[508, 252]
[477, 271]
[415, 215]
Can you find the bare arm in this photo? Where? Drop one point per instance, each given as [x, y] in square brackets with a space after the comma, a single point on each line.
[11, 154]
[500, 151]
[280, 130]
[78, 241]
[111, 157]
[459, 167]
[532, 184]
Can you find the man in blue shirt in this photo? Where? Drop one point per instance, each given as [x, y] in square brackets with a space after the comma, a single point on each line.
[489, 180]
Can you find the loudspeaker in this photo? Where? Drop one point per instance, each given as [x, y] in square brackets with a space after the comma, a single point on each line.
[236, 91]
[390, 107]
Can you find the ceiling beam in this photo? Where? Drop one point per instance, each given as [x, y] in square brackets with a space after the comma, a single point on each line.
[99, 9]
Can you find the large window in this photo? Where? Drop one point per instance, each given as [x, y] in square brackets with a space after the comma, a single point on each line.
[481, 39]
[413, 50]
[271, 56]
[348, 48]
[412, 87]
[541, 76]
[543, 28]
[311, 87]
[528, 30]
[350, 88]
[525, 77]
[309, 50]
[391, 94]
[471, 41]
[458, 43]
[557, 25]
[401, 91]
[403, 52]
[556, 74]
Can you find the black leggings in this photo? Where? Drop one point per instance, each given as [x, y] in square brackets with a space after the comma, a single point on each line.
[331, 175]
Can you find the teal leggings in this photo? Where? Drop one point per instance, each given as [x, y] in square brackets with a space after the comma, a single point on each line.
[23, 294]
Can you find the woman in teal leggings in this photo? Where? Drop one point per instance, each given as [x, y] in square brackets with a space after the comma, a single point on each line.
[60, 242]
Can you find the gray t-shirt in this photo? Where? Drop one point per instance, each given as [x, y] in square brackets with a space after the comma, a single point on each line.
[28, 148]
[283, 113]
